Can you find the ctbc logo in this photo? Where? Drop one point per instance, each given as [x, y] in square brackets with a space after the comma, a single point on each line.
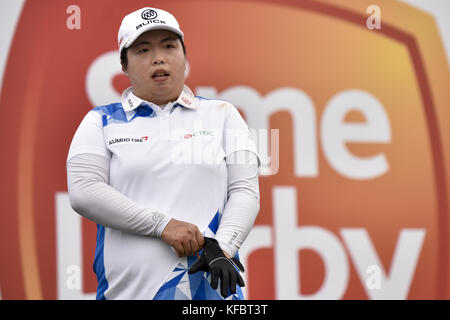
[199, 133]
[149, 14]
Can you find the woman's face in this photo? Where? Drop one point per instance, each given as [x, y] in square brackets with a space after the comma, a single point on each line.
[156, 66]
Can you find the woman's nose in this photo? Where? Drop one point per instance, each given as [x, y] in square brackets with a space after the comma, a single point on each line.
[158, 60]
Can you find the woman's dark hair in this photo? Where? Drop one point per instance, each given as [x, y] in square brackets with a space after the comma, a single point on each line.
[124, 58]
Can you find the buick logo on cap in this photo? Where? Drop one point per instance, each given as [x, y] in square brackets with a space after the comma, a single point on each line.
[149, 14]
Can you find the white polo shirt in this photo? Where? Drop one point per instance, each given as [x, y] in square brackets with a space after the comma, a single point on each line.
[169, 158]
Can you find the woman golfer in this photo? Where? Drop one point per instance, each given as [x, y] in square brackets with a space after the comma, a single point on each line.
[170, 179]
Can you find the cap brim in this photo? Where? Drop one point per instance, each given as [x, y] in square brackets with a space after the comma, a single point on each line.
[150, 28]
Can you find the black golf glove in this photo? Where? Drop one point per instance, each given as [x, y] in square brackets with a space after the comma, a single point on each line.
[213, 260]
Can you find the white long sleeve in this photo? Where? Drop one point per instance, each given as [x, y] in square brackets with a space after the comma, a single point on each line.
[242, 206]
[92, 197]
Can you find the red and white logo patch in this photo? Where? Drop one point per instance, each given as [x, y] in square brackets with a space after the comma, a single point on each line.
[187, 101]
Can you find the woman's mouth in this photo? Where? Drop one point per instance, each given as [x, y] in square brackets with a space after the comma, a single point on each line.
[160, 75]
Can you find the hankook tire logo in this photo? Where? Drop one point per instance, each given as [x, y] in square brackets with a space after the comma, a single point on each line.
[149, 14]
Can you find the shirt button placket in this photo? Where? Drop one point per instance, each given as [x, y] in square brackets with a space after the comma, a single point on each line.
[165, 127]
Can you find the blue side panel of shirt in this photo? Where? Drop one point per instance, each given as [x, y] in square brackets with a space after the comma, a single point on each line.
[99, 264]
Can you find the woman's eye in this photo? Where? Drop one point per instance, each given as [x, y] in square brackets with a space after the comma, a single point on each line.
[170, 46]
[142, 50]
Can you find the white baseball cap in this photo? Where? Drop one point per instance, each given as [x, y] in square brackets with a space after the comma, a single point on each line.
[145, 19]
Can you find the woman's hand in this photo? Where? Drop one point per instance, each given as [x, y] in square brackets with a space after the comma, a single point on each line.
[184, 237]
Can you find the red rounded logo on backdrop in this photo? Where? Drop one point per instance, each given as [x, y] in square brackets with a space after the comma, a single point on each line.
[357, 204]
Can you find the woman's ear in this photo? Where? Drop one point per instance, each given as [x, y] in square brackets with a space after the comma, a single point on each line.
[187, 69]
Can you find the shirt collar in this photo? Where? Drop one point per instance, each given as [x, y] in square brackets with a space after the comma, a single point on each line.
[130, 101]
